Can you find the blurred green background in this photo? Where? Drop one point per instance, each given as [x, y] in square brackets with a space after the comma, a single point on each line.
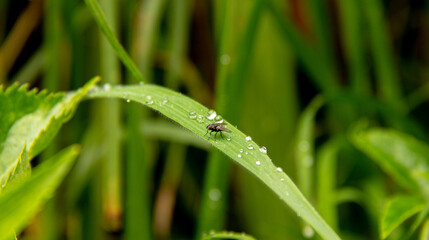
[266, 66]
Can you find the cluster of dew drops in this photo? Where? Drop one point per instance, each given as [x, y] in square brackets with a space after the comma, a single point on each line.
[211, 115]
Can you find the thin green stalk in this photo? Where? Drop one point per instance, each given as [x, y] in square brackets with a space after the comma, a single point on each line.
[100, 18]
[138, 219]
[326, 182]
[112, 187]
[147, 35]
[304, 151]
[229, 90]
[352, 33]
[388, 82]
[179, 27]
[321, 25]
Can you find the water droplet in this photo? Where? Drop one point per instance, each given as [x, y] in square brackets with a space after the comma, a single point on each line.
[225, 59]
[149, 100]
[282, 179]
[215, 194]
[200, 118]
[246, 153]
[248, 138]
[218, 118]
[279, 169]
[192, 115]
[229, 139]
[241, 150]
[258, 163]
[250, 146]
[308, 232]
[106, 86]
[263, 150]
[304, 146]
[128, 100]
[239, 155]
[165, 101]
[211, 114]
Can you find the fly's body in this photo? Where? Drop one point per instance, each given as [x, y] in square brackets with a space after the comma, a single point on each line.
[217, 128]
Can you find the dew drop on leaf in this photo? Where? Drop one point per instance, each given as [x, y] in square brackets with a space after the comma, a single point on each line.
[248, 138]
[263, 150]
[250, 146]
[200, 118]
[192, 115]
[211, 114]
[258, 163]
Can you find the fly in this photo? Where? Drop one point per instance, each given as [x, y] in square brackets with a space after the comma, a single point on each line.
[217, 127]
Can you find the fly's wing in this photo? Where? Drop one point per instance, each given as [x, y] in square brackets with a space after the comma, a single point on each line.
[225, 129]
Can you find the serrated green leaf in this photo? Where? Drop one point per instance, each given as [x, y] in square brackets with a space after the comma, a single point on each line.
[32, 118]
[180, 109]
[397, 210]
[20, 172]
[402, 156]
[22, 201]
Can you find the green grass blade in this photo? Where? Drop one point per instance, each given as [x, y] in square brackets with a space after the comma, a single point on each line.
[352, 34]
[304, 151]
[147, 35]
[19, 204]
[388, 82]
[327, 196]
[181, 109]
[321, 74]
[100, 18]
[397, 210]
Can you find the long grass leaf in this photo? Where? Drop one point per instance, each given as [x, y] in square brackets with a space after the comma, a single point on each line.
[192, 116]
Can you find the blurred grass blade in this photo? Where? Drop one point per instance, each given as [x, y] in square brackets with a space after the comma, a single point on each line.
[402, 156]
[99, 17]
[352, 36]
[327, 196]
[304, 150]
[397, 210]
[388, 82]
[323, 76]
[181, 109]
[19, 204]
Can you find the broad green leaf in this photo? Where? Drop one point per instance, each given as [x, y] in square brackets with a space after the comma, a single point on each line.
[32, 119]
[424, 234]
[397, 210]
[402, 156]
[19, 204]
[195, 117]
[227, 235]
